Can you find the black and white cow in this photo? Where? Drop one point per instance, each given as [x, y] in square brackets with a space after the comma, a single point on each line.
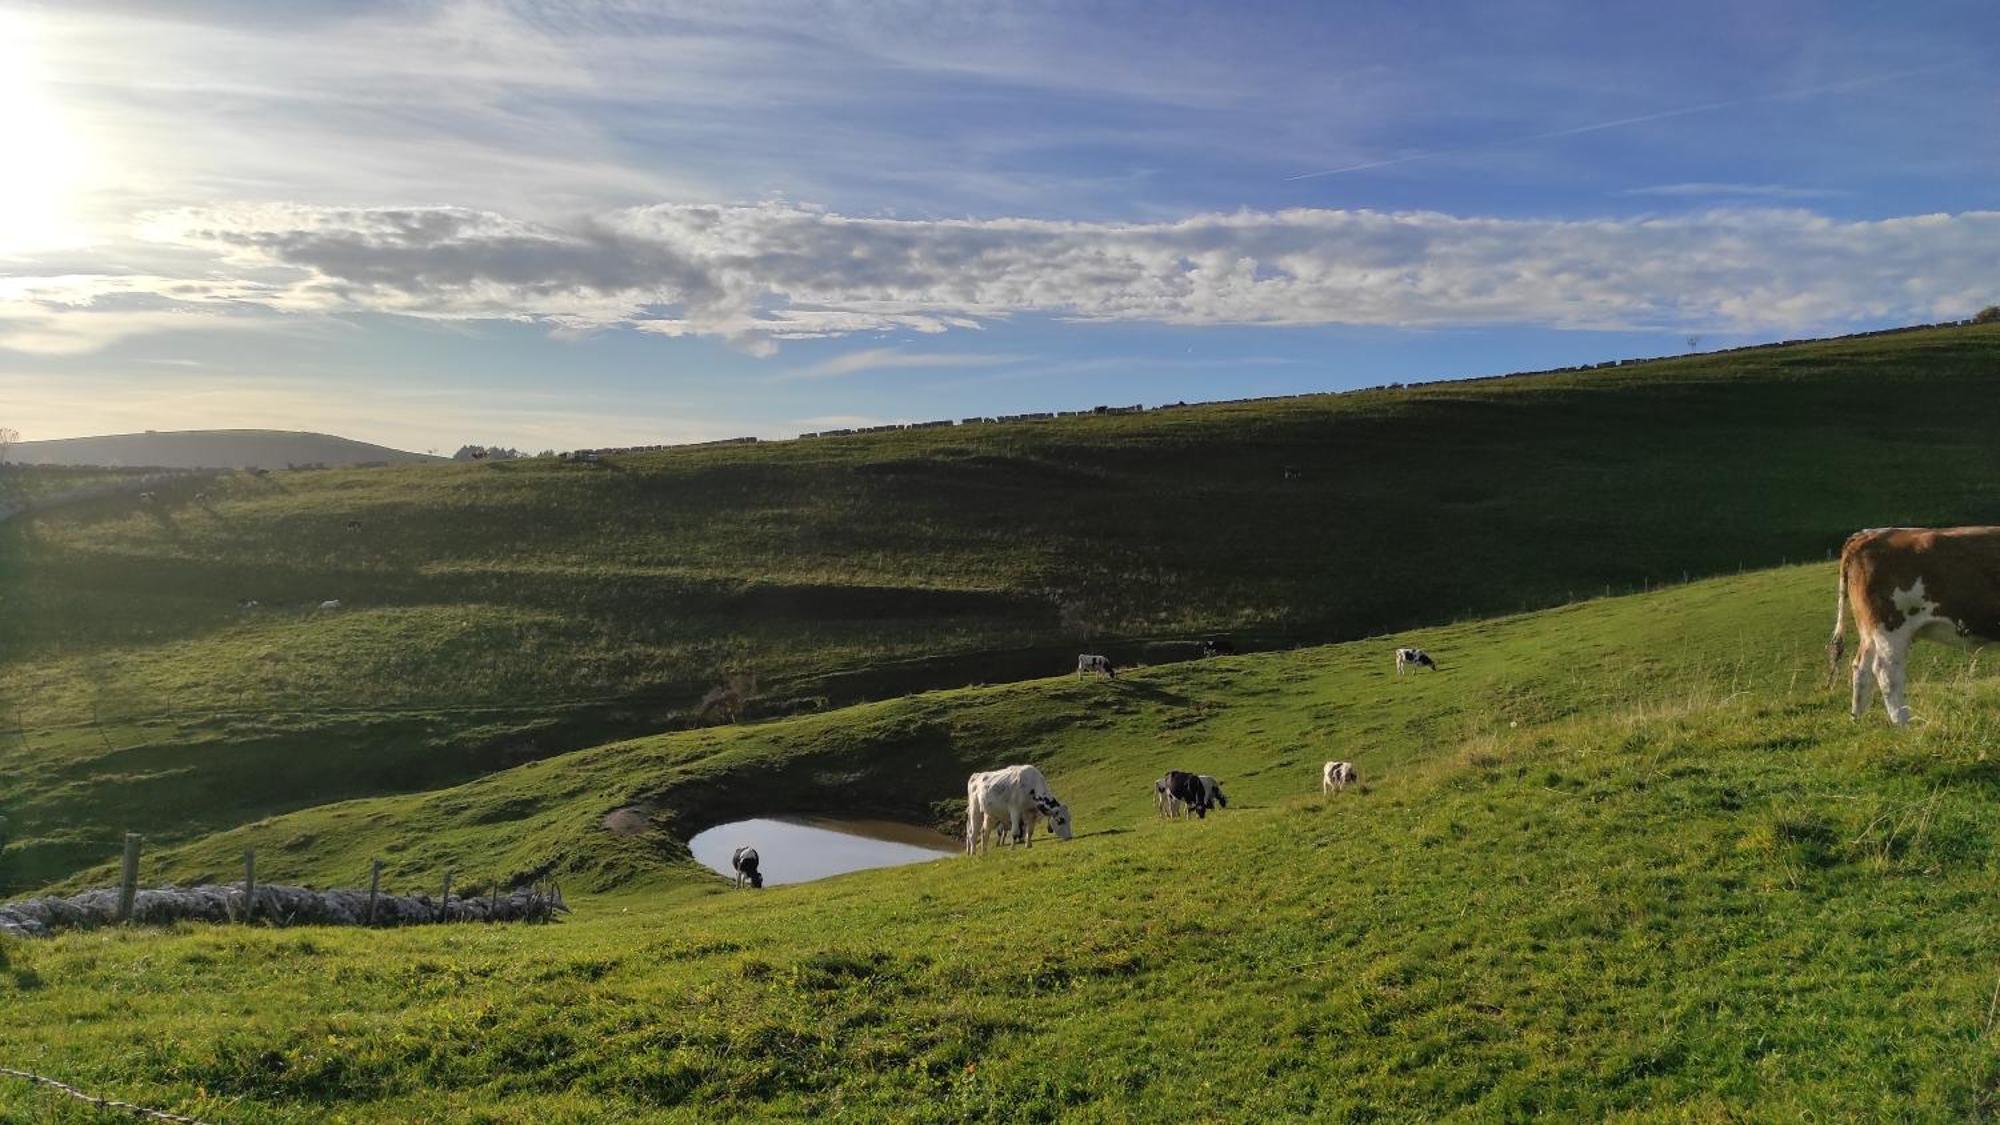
[1213, 789]
[1413, 658]
[1187, 789]
[745, 863]
[1217, 646]
[1337, 776]
[1010, 800]
[1089, 663]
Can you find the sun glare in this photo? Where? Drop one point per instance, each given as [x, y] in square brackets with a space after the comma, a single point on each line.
[42, 154]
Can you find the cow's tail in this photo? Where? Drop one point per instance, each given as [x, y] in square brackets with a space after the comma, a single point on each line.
[1837, 646]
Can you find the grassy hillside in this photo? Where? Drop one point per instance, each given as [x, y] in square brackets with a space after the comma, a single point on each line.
[504, 612]
[1623, 860]
[208, 449]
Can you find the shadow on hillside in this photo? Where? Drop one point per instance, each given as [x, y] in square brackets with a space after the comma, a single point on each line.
[1153, 692]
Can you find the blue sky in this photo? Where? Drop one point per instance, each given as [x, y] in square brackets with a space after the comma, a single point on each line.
[558, 224]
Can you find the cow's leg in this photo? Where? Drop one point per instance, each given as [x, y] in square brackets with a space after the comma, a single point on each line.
[1864, 678]
[1890, 659]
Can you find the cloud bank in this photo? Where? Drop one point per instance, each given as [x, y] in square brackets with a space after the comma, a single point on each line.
[759, 274]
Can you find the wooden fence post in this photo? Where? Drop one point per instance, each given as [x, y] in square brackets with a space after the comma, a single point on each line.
[374, 886]
[444, 900]
[249, 883]
[128, 878]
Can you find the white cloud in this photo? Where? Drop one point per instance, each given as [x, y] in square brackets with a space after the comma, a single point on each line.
[1704, 190]
[875, 359]
[762, 273]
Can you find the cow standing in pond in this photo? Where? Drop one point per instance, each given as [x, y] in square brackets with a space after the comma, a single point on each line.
[745, 864]
[1335, 777]
[1087, 663]
[1407, 658]
[1013, 798]
[1904, 583]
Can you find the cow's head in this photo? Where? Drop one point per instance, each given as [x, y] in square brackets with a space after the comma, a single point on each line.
[1057, 815]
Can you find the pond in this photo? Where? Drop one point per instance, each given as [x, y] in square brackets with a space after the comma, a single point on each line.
[799, 849]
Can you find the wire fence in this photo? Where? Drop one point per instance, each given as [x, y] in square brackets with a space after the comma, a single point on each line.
[111, 1105]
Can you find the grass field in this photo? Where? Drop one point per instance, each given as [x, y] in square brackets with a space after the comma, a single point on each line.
[501, 613]
[1622, 860]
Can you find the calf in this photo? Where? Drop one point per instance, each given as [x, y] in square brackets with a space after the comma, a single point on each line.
[745, 863]
[1413, 658]
[1337, 776]
[1101, 664]
[1906, 583]
[330, 603]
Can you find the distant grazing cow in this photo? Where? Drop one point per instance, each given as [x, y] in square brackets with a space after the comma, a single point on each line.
[1217, 646]
[1212, 789]
[1909, 582]
[1187, 789]
[1413, 658]
[201, 497]
[745, 863]
[1087, 663]
[1337, 776]
[248, 604]
[354, 525]
[1013, 797]
[330, 603]
[147, 497]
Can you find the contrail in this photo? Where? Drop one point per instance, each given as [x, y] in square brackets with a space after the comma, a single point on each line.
[1684, 111]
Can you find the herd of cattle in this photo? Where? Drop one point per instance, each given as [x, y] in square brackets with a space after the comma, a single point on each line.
[1901, 584]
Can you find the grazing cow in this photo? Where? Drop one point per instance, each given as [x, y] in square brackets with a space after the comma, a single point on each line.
[1217, 646]
[147, 497]
[1212, 789]
[1909, 582]
[1088, 663]
[1187, 789]
[1337, 776]
[354, 525]
[249, 604]
[330, 603]
[201, 497]
[1013, 798]
[1413, 658]
[745, 863]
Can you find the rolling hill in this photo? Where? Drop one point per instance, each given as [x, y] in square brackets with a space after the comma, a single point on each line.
[496, 614]
[1624, 860]
[209, 449]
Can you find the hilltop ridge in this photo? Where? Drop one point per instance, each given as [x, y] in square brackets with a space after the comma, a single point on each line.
[209, 449]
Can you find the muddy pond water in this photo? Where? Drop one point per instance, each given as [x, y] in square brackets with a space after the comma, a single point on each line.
[799, 849]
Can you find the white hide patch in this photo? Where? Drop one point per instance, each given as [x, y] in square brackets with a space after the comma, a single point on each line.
[1912, 602]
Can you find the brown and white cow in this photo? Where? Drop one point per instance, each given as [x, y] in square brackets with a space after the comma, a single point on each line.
[1909, 582]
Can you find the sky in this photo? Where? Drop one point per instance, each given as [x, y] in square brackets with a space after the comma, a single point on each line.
[560, 225]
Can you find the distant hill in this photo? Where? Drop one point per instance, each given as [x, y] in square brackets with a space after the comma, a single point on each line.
[208, 449]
